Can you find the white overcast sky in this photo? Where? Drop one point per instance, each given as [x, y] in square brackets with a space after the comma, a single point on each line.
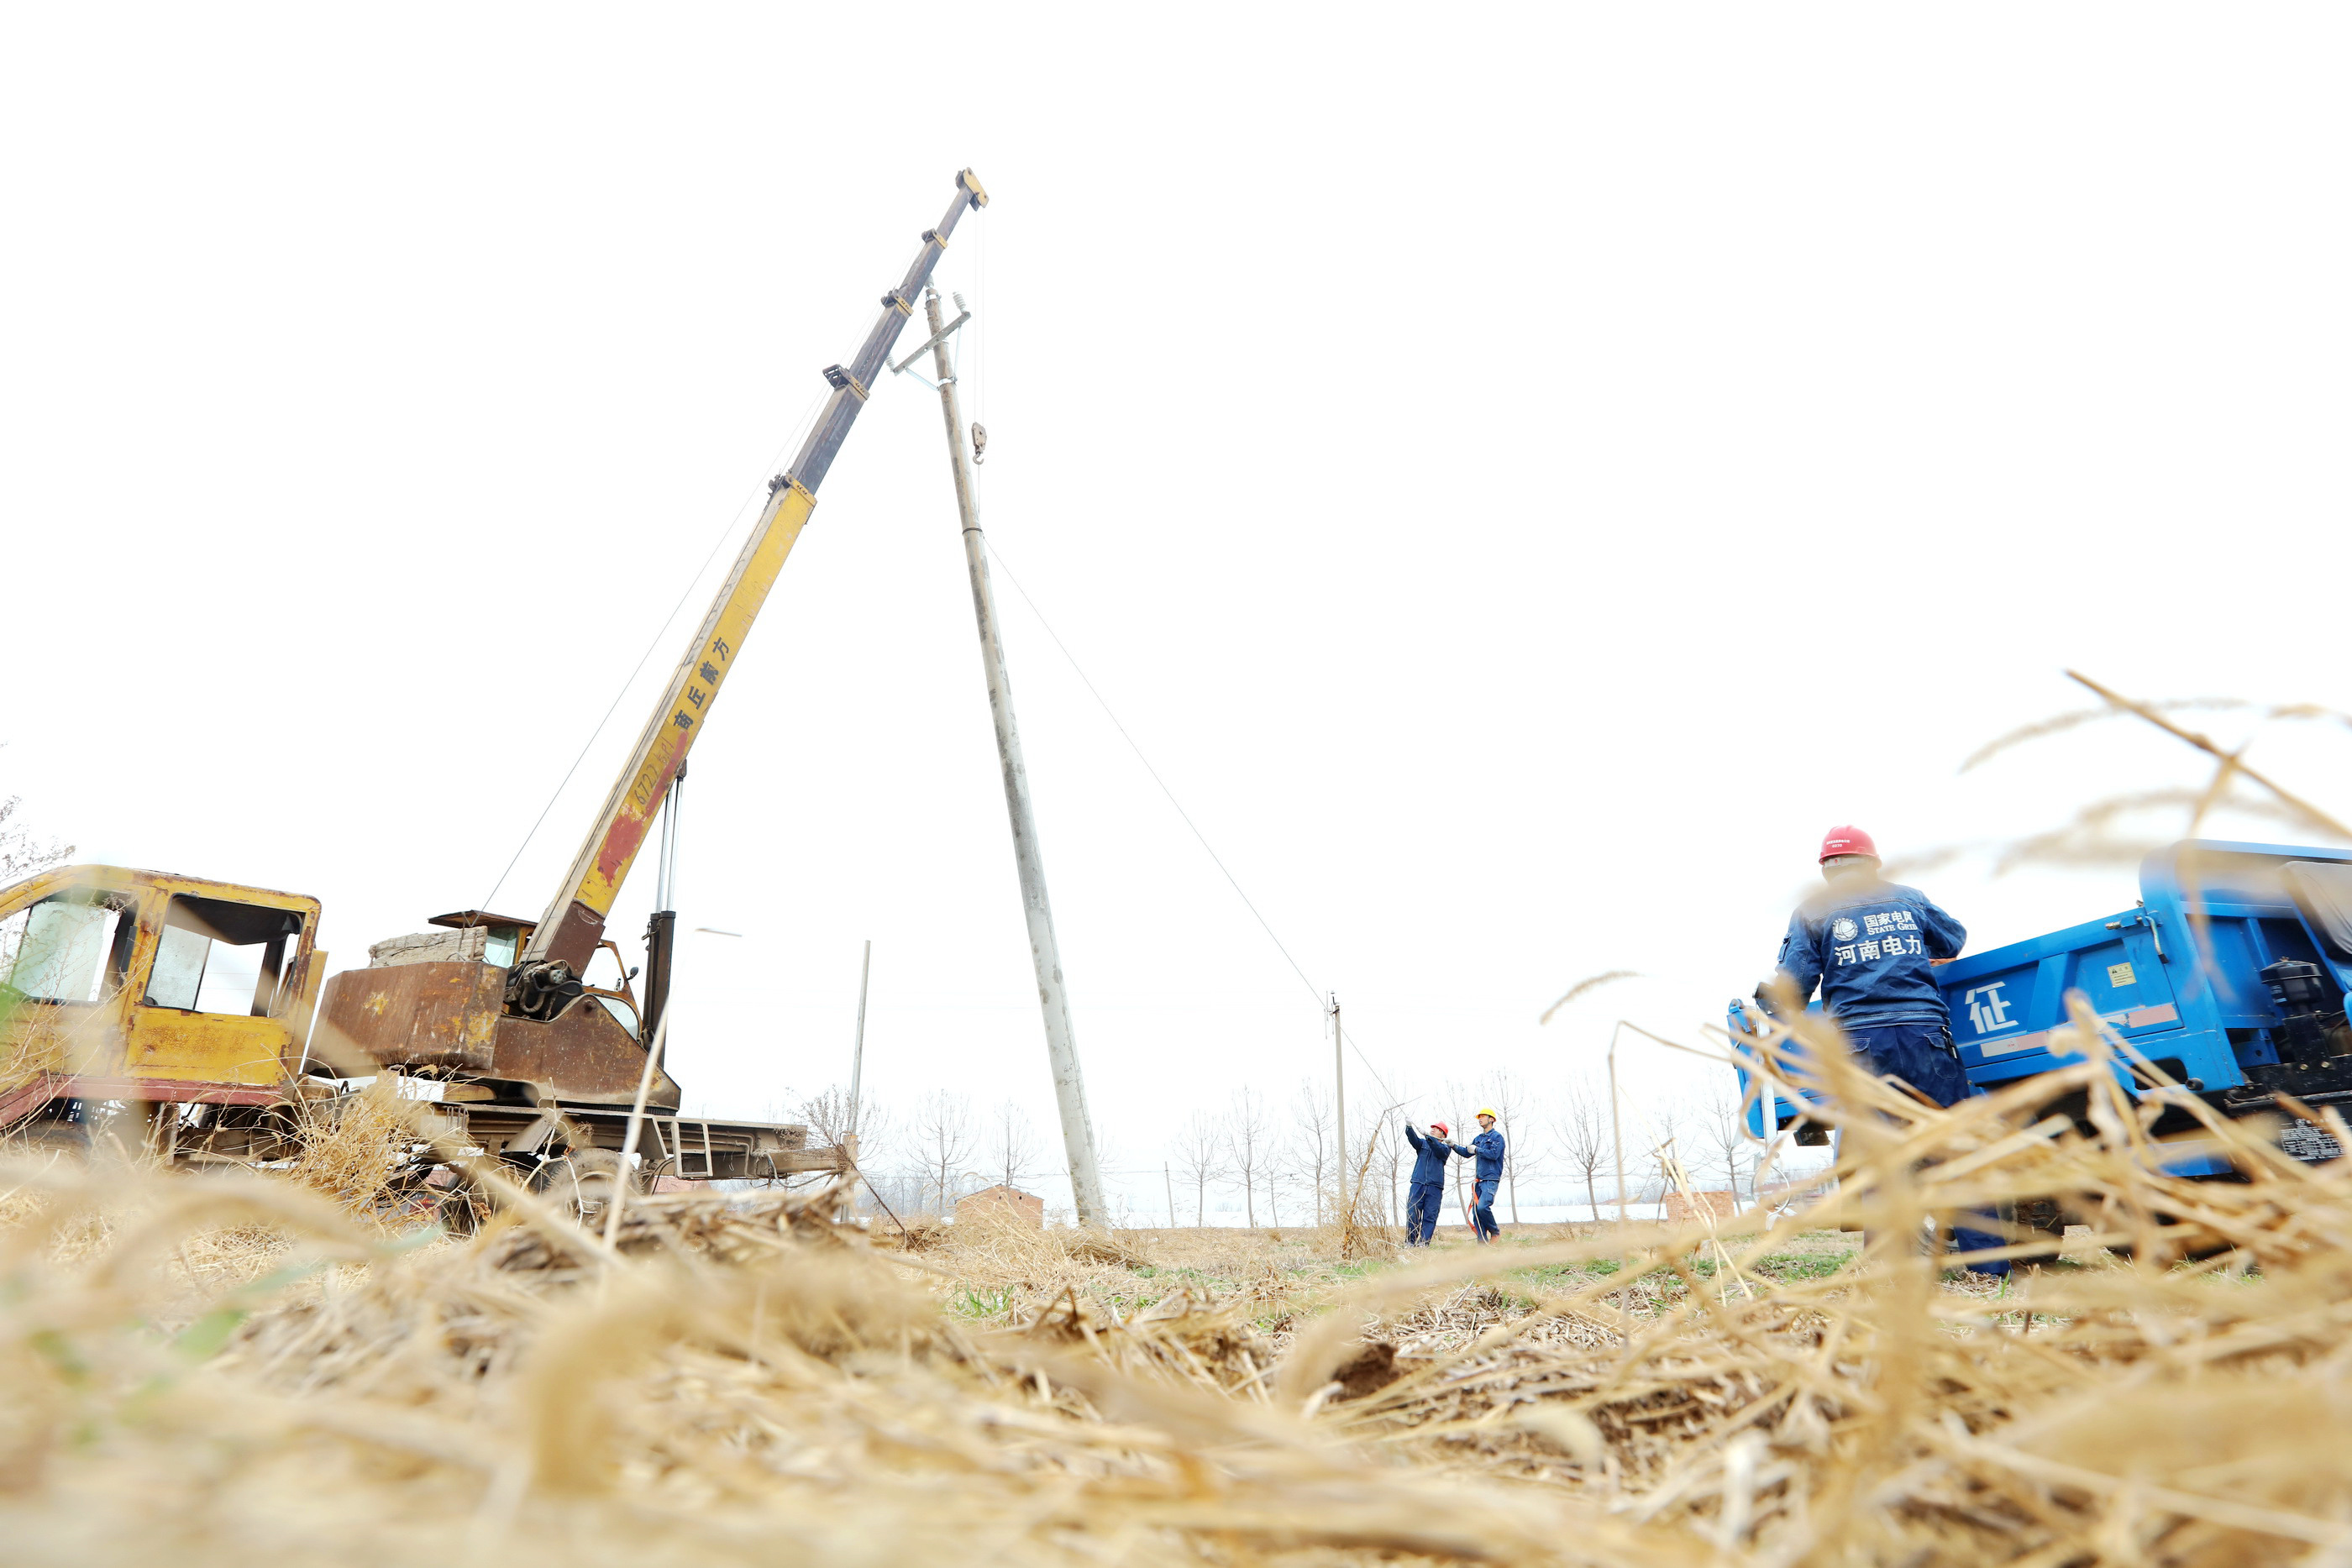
[1521, 473]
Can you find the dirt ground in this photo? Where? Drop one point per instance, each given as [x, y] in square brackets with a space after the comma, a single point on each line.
[244, 1367]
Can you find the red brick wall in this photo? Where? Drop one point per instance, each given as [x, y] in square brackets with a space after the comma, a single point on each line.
[1003, 1202]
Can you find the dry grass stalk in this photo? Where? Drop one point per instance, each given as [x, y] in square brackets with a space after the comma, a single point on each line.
[736, 1383]
[352, 1146]
[1358, 1222]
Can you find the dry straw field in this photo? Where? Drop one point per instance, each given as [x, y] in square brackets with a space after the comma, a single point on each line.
[285, 1369]
[249, 1369]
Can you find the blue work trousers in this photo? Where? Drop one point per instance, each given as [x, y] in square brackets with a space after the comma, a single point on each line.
[1482, 1207]
[1922, 1056]
[1421, 1210]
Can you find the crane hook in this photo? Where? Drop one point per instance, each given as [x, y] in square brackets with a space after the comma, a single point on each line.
[979, 444]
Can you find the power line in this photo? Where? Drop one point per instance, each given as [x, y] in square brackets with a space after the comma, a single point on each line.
[1226, 872]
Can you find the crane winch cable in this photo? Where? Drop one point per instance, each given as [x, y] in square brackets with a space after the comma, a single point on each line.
[759, 493]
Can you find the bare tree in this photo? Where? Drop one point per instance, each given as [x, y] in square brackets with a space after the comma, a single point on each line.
[1580, 1131]
[832, 1119]
[1666, 1124]
[21, 854]
[1390, 1151]
[1011, 1143]
[898, 1191]
[1361, 1211]
[1200, 1153]
[1719, 1140]
[941, 1142]
[1112, 1158]
[833, 1116]
[1310, 1114]
[1466, 1183]
[1249, 1148]
[1507, 1092]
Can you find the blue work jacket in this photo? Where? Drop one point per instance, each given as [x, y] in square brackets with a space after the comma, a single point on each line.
[1867, 944]
[1486, 1148]
[1429, 1161]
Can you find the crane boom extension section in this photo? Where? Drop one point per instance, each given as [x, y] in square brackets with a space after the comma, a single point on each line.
[575, 922]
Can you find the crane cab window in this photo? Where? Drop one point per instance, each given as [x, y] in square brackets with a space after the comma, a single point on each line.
[216, 957]
[68, 947]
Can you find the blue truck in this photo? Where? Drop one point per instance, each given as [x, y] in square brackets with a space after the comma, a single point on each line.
[2230, 973]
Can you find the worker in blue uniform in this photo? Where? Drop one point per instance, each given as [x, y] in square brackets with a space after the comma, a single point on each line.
[1870, 946]
[1427, 1193]
[1486, 1148]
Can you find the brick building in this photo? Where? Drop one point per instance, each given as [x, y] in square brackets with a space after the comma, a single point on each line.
[1004, 1204]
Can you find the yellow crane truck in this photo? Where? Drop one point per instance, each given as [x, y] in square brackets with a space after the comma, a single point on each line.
[191, 1012]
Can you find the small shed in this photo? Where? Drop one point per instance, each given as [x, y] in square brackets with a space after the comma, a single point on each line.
[1005, 1205]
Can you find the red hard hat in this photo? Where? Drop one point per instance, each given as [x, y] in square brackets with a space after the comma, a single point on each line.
[1441, 1127]
[1848, 842]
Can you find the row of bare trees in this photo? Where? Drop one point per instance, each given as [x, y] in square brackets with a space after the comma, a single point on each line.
[1281, 1162]
[921, 1158]
[1562, 1136]
[1261, 1156]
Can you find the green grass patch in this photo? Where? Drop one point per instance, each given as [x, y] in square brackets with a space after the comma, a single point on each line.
[983, 1303]
[1803, 1265]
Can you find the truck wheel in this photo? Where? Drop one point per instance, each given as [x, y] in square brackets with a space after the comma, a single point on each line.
[2186, 1239]
[460, 1208]
[581, 1183]
[46, 1139]
[2046, 1217]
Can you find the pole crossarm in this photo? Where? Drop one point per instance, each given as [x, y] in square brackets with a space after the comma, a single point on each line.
[933, 341]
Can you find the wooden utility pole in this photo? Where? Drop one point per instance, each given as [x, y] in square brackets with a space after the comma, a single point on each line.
[1061, 1042]
[1168, 1182]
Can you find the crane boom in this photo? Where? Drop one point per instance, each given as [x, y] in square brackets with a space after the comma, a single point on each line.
[574, 921]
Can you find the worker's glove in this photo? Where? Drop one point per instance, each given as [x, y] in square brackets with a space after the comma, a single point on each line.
[1763, 998]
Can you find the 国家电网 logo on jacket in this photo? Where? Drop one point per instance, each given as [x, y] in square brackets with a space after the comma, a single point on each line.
[1845, 930]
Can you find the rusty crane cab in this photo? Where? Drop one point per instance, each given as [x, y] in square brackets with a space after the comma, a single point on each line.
[549, 1092]
[435, 1007]
[437, 1003]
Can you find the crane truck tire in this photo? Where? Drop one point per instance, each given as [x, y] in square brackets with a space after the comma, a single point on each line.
[582, 1182]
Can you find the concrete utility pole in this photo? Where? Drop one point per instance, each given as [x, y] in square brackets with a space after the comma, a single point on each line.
[858, 1050]
[1339, 1102]
[1061, 1042]
[1617, 1128]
